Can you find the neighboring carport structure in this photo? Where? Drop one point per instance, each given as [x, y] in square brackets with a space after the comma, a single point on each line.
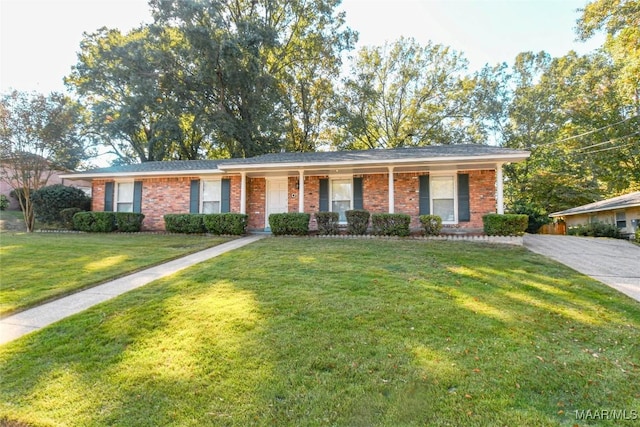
[622, 211]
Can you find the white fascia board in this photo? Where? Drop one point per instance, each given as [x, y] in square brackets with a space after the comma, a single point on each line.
[615, 208]
[107, 175]
[504, 158]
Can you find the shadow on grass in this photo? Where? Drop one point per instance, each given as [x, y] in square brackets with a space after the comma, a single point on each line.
[305, 332]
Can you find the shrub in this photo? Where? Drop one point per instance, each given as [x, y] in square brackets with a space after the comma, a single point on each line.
[327, 222]
[432, 224]
[4, 202]
[595, 229]
[505, 224]
[295, 223]
[95, 222]
[129, 222]
[184, 223]
[537, 215]
[386, 224]
[50, 200]
[227, 223]
[638, 235]
[357, 221]
[66, 217]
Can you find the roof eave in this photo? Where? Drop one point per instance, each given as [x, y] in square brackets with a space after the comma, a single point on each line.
[105, 175]
[609, 208]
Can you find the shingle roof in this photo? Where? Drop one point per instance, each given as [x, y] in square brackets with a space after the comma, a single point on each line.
[166, 166]
[620, 202]
[431, 151]
[435, 152]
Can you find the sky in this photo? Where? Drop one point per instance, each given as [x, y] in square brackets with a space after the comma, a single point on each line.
[40, 39]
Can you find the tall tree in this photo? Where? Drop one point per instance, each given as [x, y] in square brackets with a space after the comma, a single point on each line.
[38, 134]
[128, 83]
[267, 66]
[569, 112]
[405, 94]
[620, 19]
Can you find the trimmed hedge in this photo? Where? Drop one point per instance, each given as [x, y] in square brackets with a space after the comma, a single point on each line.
[129, 222]
[95, 222]
[327, 222]
[357, 221]
[106, 222]
[595, 229]
[294, 223]
[431, 224]
[226, 223]
[395, 224]
[505, 225]
[185, 223]
[66, 217]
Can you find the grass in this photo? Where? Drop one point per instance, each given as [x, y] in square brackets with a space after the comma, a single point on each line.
[315, 332]
[38, 266]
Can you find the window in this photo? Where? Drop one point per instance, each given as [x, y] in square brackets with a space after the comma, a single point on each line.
[443, 197]
[341, 192]
[211, 197]
[124, 197]
[621, 220]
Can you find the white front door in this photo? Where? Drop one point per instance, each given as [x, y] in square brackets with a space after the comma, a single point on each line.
[277, 197]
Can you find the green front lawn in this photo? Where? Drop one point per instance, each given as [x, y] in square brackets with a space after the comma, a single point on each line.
[304, 332]
[40, 266]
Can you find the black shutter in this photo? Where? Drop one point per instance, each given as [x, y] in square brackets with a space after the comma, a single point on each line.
[137, 196]
[108, 196]
[424, 202]
[464, 209]
[357, 194]
[194, 204]
[225, 203]
[324, 195]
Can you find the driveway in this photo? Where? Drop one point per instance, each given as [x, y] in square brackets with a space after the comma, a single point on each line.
[614, 262]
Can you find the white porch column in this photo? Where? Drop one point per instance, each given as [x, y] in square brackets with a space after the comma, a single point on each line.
[301, 191]
[392, 196]
[243, 192]
[500, 189]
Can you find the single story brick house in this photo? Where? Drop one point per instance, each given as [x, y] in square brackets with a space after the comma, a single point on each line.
[460, 183]
[623, 211]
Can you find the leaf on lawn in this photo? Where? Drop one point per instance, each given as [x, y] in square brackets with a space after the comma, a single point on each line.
[540, 358]
[467, 396]
[517, 385]
[476, 370]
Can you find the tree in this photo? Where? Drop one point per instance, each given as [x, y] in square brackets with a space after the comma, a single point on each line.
[38, 134]
[620, 19]
[405, 94]
[568, 111]
[267, 67]
[214, 79]
[128, 82]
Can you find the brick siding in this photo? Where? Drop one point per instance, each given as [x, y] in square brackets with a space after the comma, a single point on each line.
[161, 196]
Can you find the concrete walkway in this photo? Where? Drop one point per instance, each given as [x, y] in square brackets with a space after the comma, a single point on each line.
[613, 262]
[22, 323]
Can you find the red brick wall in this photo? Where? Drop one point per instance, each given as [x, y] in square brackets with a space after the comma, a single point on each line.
[97, 195]
[171, 195]
[256, 202]
[162, 196]
[482, 196]
[375, 193]
[407, 196]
